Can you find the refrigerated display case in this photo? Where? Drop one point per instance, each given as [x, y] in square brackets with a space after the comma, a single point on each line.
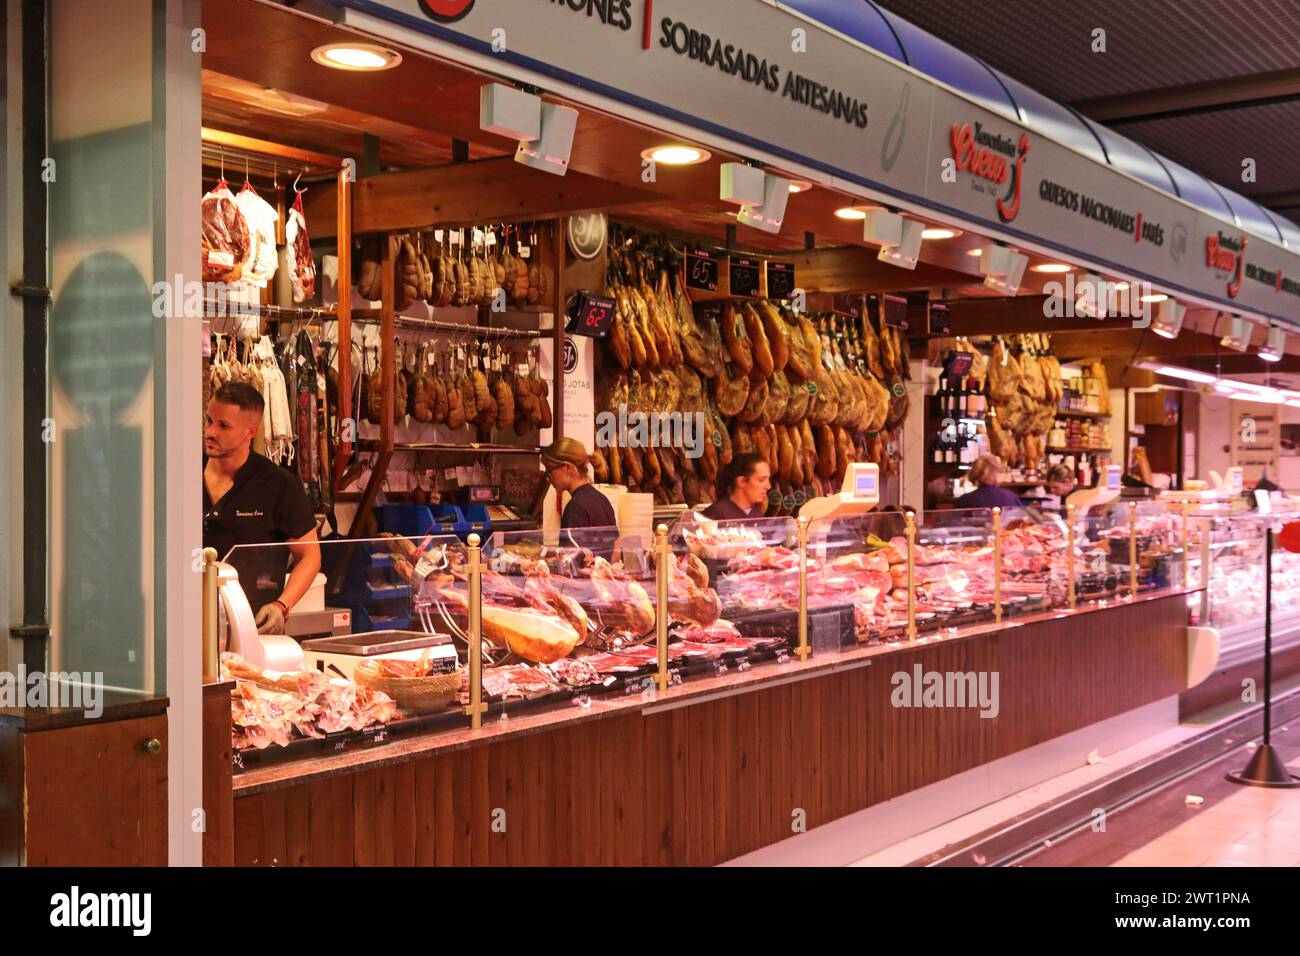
[576, 615]
[1232, 546]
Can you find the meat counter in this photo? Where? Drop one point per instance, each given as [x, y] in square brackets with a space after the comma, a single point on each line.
[570, 659]
[576, 614]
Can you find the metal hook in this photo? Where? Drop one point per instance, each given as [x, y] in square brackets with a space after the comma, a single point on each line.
[295, 182]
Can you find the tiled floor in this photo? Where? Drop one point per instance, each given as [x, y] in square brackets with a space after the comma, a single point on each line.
[1234, 826]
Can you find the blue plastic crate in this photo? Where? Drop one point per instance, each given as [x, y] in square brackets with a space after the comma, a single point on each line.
[408, 521]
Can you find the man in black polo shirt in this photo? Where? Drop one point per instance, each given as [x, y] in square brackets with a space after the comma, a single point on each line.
[250, 500]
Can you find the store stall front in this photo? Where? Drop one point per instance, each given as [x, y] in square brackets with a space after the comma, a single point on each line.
[473, 680]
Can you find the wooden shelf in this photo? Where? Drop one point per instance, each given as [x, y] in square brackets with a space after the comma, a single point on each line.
[1078, 451]
[1073, 413]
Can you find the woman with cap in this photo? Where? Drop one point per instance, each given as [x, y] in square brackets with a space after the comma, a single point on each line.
[743, 488]
[567, 467]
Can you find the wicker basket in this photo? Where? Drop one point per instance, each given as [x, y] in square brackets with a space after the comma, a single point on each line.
[415, 695]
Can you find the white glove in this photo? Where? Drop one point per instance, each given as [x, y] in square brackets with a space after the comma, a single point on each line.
[270, 620]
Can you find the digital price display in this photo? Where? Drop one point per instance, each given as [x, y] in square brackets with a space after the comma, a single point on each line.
[958, 364]
[744, 276]
[1113, 477]
[701, 270]
[780, 279]
[591, 315]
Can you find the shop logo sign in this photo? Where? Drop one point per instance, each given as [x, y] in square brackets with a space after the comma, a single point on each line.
[1178, 242]
[570, 357]
[1226, 254]
[447, 11]
[992, 157]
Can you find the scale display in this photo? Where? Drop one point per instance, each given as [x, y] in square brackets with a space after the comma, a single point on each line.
[866, 483]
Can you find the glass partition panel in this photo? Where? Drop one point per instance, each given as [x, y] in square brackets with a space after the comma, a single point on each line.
[1159, 545]
[953, 569]
[1101, 564]
[857, 578]
[753, 563]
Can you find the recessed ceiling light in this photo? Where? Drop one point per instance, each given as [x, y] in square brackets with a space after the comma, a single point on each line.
[975, 252]
[1120, 286]
[676, 155]
[937, 232]
[1154, 297]
[852, 212]
[800, 185]
[1053, 267]
[362, 57]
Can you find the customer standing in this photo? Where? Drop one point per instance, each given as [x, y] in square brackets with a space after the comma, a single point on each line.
[985, 474]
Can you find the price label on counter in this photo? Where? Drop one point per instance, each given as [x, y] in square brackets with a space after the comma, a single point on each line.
[780, 279]
[895, 311]
[701, 270]
[744, 276]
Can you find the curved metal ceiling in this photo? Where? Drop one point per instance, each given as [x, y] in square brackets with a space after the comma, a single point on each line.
[900, 40]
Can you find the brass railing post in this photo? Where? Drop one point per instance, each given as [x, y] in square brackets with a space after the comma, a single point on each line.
[1185, 544]
[997, 565]
[803, 650]
[1132, 550]
[475, 707]
[1207, 526]
[1069, 555]
[909, 530]
[662, 556]
[211, 639]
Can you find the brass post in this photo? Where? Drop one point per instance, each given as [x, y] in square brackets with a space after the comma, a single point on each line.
[211, 639]
[475, 707]
[1207, 524]
[1132, 550]
[662, 556]
[997, 565]
[803, 650]
[1185, 542]
[909, 530]
[1069, 555]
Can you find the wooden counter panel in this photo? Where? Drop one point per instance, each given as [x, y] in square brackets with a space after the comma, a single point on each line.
[710, 781]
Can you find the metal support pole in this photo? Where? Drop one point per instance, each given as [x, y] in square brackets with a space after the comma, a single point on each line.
[475, 707]
[803, 650]
[211, 639]
[662, 556]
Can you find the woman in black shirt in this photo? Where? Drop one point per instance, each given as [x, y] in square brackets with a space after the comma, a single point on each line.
[567, 469]
[742, 488]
